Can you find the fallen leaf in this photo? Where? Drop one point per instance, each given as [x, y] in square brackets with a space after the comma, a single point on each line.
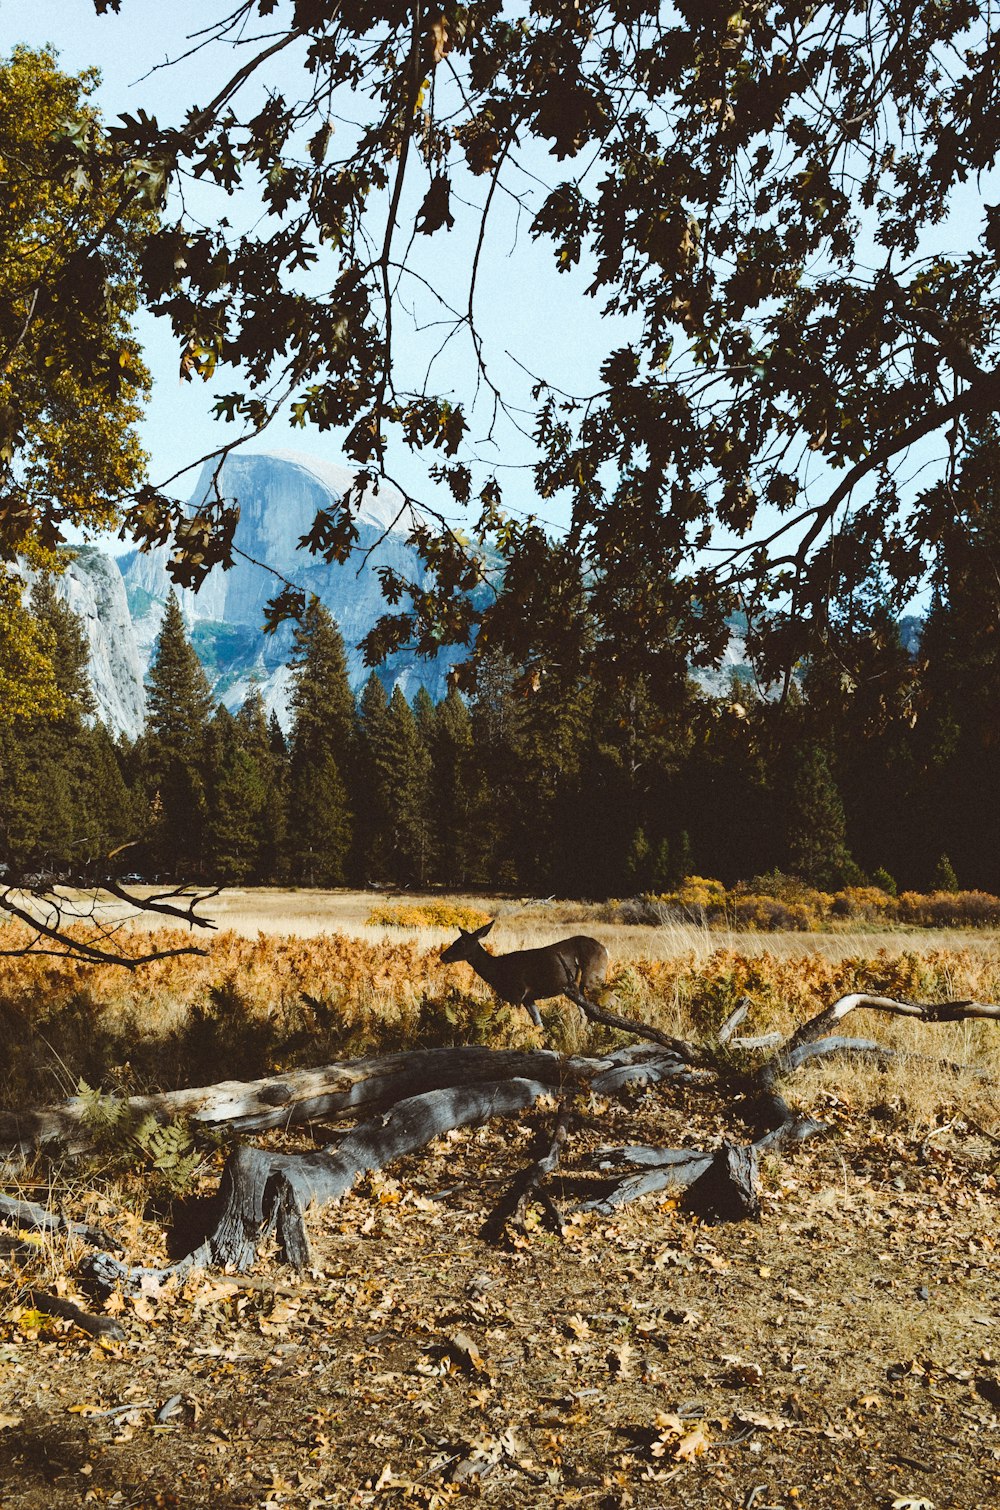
[692, 1445]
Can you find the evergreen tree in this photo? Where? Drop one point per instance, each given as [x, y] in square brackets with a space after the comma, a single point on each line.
[499, 746]
[452, 759]
[425, 714]
[639, 862]
[407, 767]
[276, 737]
[374, 776]
[268, 754]
[179, 704]
[816, 837]
[113, 812]
[236, 801]
[555, 730]
[179, 700]
[323, 755]
[632, 766]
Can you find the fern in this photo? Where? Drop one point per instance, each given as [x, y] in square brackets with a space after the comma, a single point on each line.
[169, 1149]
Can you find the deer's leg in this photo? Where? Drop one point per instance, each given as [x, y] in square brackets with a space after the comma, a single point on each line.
[533, 1012]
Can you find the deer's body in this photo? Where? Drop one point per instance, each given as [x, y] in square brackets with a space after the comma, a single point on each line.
[529, 975]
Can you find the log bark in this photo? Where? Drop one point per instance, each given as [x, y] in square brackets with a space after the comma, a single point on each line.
[304, 1095]
[263, 1193]
[729, 1189]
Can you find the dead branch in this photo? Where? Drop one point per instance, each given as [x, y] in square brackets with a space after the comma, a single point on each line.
[30, 1217]
[50, 917]
[512, 1205]
[688, 1052]
[68, 1310]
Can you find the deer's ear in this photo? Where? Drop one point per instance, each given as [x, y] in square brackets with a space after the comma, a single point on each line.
[481, 933]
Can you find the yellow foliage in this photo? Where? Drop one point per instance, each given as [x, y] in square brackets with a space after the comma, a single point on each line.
[797, 907]
[426, 915]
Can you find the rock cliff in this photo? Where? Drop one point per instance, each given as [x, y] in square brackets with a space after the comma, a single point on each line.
[92, 587]
[279, 495]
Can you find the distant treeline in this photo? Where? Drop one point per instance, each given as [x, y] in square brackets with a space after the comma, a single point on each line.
[877, 766]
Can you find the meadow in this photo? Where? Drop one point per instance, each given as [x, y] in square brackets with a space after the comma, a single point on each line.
[304, 977]
[837, 1353]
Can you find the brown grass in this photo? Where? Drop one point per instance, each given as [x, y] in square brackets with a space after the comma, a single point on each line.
[303, 977]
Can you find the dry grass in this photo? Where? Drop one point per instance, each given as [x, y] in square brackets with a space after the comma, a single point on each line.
[304, 978]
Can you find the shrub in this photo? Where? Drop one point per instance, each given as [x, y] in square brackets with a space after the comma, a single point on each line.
[425, 915]
[649, 911]
[869, 902]
[950, 909]
[772, 914]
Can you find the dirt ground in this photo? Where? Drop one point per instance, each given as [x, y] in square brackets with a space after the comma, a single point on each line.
[841, 1352]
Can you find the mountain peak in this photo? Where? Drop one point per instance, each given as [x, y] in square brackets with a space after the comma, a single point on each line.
[381, 508]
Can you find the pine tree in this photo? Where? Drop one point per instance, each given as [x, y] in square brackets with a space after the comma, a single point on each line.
[323, 754]
[179, 704]
[500, 753]
[236, 801]
[374, 770]
[276, 736]
[639, 863]
[452, 759]
[407, 763]
[425, 714]
[257, 737]
[179, 700]
[555, 729]
[816, 843]
[113, 814]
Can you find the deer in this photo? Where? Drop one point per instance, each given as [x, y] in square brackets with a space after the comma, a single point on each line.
[529, 975]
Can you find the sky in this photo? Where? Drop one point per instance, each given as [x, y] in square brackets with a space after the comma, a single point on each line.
[523, 306]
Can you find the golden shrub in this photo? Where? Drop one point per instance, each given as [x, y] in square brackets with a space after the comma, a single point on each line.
[426, 915]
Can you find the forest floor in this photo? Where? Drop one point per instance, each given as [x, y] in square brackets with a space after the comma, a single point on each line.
[842, 1352]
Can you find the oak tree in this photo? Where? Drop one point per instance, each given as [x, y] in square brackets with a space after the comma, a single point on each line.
[774, 213]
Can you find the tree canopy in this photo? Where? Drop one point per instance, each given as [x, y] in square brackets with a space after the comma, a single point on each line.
[778, 210]
[71, 376]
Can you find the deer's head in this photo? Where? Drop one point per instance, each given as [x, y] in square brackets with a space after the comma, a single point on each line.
[466, 944]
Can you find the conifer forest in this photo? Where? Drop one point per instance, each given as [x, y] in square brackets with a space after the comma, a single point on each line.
[880, 765]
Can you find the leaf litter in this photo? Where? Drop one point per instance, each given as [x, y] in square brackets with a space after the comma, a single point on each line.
[840, 1353]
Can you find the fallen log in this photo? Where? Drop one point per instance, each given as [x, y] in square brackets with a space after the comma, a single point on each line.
[298, 1096]
[263, 1193]
[432, 1091]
